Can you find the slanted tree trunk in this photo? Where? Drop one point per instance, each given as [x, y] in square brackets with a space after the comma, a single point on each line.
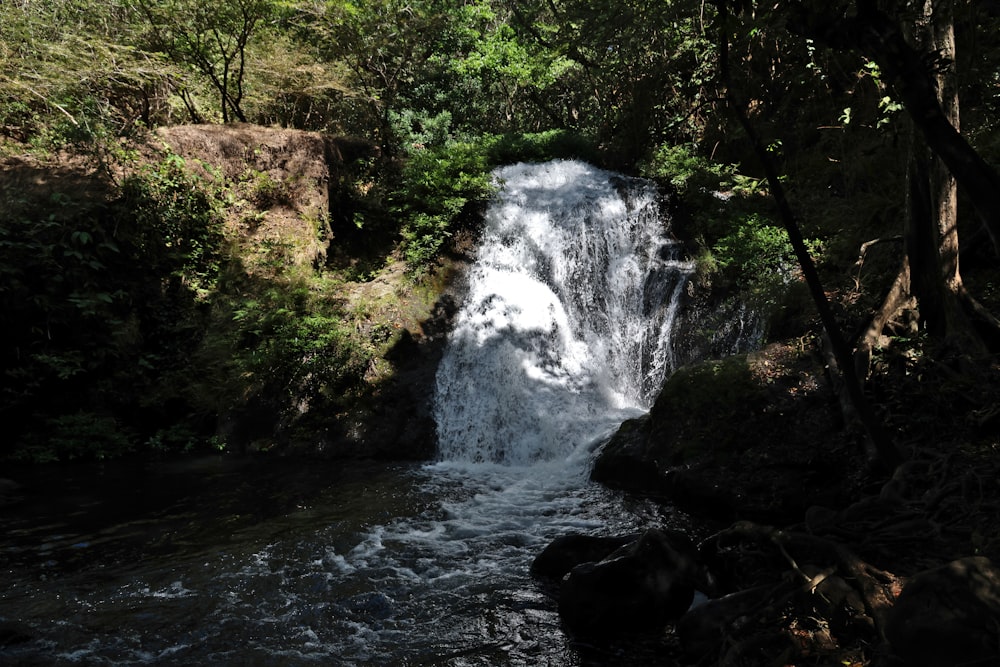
[882, 449]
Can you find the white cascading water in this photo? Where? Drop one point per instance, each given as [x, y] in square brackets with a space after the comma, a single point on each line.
[566, 329]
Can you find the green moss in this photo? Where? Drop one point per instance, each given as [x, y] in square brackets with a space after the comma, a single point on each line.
[703, 409]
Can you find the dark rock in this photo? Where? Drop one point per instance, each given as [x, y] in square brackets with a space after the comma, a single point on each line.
[751, 435]
[9, 491]
[625, 461]
[949, 615]
[566, 552]
[12, 633]
[639, 588]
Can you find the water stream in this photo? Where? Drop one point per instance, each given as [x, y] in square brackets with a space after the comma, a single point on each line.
[565, 333]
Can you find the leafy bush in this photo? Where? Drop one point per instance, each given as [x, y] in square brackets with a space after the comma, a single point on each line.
[58, 298]
[291, 354]
[103, 292]
[726, 216]
[539, 147]
[686, 171]
[444, 178]
[755, 251]
[441, 178]
[77, 436]
[175, 222]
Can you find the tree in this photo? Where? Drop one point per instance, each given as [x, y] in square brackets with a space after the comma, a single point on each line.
[212, 38]
[922, 71]
[882, 449]
[641, 70]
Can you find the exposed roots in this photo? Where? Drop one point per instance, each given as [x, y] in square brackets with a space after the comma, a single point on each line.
[821, 592]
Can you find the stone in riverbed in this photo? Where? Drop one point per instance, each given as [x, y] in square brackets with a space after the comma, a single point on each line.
[566, 552]
[640, 588]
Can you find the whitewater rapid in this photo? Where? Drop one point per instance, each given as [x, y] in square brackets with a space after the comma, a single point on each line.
[567, 327]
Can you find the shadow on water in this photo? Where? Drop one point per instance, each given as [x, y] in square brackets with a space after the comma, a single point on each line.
[235, 561]
[67, 517]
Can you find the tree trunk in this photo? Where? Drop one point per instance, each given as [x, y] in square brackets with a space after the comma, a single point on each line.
[882, 448]
[930, 107]
[930, 271]
[939, 286]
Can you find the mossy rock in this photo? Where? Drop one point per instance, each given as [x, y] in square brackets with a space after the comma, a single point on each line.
[746, 435]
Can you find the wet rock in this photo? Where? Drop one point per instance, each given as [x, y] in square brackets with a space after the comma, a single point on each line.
[12, 633]
[566, 552]
[639, 588]
[949, 615]
[750, 436]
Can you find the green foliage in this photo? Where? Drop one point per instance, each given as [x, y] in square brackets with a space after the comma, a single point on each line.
[539, 147]
[77, 436]
[56, 293]
[444, 179]
[71, 77]
[281, 352]
[176, 222]
[439, 184]
[686, 171]
[756, 252]
[212, 38]
[728, 220]
[441, 179]
[291, 342]
[102, 292]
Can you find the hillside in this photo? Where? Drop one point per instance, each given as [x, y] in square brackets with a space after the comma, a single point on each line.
[198, 292]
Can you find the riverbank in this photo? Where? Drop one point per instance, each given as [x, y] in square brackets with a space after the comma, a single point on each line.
[827, 558]
[209, 289]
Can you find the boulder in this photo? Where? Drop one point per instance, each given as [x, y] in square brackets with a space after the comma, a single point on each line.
[9, 491]
[749, 436]
[13, 633]
[566, 552]
[949, 615]
[640, 588]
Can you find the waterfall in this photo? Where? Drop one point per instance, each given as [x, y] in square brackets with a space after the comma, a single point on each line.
[565, 332]
[566, 328]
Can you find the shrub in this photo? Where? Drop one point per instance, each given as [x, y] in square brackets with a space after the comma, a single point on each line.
[539, 147]
[77, 436]
[442, 178]
[175, 221]
[726, 215]
[445, 179]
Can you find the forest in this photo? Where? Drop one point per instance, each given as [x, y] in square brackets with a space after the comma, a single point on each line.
[832, 166]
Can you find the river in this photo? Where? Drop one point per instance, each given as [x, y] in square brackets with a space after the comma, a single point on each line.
[566, 331]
